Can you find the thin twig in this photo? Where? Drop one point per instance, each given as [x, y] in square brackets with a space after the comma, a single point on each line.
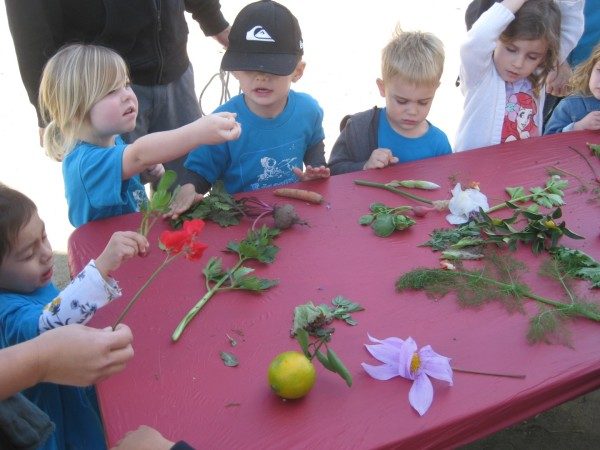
[596, 177]
[492, 374]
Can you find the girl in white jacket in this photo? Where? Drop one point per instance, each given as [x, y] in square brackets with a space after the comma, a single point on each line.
[504, 62]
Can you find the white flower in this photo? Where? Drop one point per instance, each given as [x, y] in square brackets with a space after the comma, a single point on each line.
[463, 203]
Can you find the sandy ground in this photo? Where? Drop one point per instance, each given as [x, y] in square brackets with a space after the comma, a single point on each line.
[342, 51]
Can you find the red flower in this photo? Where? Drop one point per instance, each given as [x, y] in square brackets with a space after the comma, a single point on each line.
[195, 250]
[193, 227]
[173, 242]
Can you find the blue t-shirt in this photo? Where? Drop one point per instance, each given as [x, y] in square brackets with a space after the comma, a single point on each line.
[267, 150]
[94, 184]
[433, 143]
[73, 410]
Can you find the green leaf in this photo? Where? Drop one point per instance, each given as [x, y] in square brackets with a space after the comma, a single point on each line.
[166, 181]
[338, 366]
[366, 219]
[384, 225]
[213, 270]
[229, 359]
[401, 222]
[323, 360]
[515, 192]
[253, 283]
[302, 338]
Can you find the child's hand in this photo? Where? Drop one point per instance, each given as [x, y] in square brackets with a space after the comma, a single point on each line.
[380, 158]
[590, 122]
[557, 80]
[152, 174]
[185, 198]
[144, 438]
[121, 246]
[312, 173]
[219, 127]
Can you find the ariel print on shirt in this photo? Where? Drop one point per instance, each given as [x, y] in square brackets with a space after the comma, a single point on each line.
[519, 118]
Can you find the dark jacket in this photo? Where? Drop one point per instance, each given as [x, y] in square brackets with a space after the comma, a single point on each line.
[151, 35]
[353, 147]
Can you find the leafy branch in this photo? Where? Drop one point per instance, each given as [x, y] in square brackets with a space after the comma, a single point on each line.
[499, 280]
[549, 196]
[158, 203]
[384, 220]
[578, 264]
[257, 245]
[311, 328]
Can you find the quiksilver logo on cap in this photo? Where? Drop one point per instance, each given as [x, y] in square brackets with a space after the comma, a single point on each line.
[258, 33]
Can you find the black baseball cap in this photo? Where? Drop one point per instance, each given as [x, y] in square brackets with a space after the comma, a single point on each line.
[266, 37]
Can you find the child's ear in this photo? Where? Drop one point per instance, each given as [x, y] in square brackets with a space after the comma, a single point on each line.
[298, 71]
[381, 86]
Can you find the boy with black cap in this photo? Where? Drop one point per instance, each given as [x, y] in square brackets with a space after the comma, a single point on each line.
[281, 128]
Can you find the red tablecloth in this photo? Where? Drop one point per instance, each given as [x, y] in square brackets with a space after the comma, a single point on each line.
[184, 390]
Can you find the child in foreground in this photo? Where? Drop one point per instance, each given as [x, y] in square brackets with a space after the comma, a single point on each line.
[412, 65]
[505, 59]
[282, 128]
[30, 304]
[87, 102]
[581, 109]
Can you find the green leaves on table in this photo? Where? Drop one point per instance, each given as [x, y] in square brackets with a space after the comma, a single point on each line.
[384, 220]
[229, 359]
[311, 327]
[218, 206]
[257, 245]
[499, 279]
[158, 203]
[549, 196]
[578, 264]
[542, 231]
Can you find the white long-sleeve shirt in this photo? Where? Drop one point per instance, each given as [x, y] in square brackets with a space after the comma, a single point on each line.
[482, 86]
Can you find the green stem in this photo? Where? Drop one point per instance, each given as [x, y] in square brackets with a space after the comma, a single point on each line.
[588, 314]
[137, 295]
[394, 190]
[198, 306]
[513, 200]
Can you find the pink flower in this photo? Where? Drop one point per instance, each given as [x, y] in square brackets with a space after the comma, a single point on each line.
[401, 358]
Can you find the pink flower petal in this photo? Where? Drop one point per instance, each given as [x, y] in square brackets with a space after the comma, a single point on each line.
[420, 395]
[382, 372]
[435, 365]
[387, 354]
[405, 357]
[395, 341]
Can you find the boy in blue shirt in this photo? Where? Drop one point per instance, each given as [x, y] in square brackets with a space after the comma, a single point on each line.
[412, 65]
[281, 129]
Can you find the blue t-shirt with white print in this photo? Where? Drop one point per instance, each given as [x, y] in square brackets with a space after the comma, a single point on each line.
[94, 184]
[267, 150]
[433, 143]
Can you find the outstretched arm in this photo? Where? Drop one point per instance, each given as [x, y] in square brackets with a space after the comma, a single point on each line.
[166, 146]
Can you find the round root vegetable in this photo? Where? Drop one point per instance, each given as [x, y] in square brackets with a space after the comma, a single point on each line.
[285, 216]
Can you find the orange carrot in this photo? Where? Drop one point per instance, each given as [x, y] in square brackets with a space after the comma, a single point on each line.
[299, 194]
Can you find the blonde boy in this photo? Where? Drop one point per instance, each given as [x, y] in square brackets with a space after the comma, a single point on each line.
[412, 65]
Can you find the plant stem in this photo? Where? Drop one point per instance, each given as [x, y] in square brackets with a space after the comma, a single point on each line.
[492, 374]
[588, 314]
[164, 264]
[394, 190]
[198, 306]
[512, 200]
[596, 177]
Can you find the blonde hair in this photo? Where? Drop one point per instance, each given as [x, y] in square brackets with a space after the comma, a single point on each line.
[538, 19]
[580, 80]
[73, 80]
[416, 57]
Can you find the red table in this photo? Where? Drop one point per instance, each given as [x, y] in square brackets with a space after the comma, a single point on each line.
[184, 390]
